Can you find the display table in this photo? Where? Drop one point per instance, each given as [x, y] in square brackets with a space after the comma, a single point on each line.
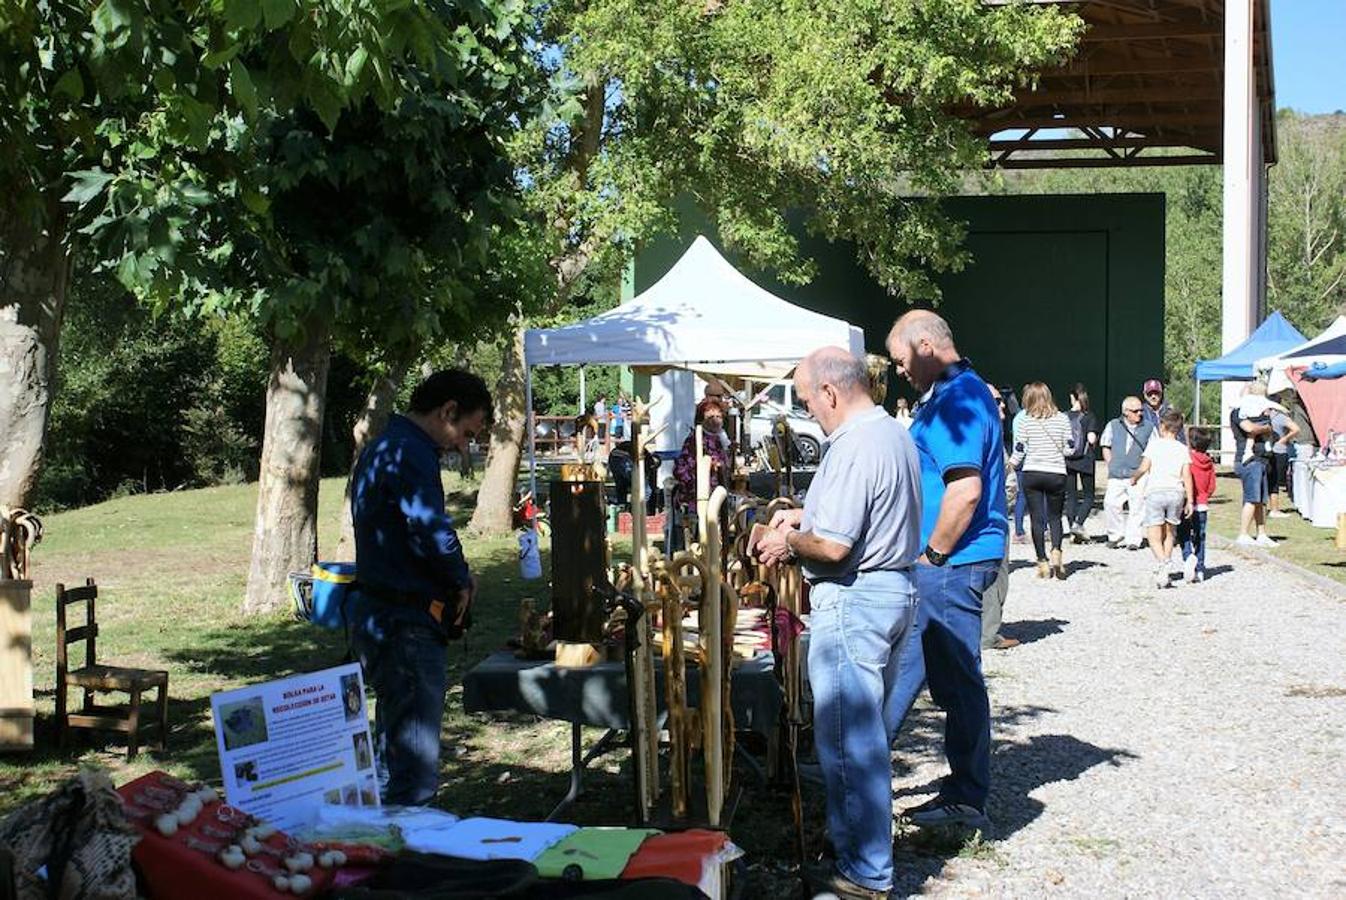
[597, 696]
[1320, 492]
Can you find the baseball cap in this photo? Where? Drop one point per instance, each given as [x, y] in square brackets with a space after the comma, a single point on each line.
[1154, 384]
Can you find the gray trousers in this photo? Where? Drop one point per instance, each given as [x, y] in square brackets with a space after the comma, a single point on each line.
[993, 604]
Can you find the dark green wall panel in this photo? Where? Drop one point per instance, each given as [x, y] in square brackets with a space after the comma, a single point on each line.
[1060, 288]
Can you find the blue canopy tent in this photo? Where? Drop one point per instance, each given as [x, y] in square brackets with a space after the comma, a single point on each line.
[1274, 336]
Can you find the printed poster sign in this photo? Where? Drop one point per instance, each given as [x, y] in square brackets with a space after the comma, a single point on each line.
[288, 746]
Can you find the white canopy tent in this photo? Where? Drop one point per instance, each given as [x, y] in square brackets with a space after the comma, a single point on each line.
[703, 316]
[1321, 348]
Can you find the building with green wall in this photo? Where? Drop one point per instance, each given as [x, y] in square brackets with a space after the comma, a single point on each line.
[1059, 288]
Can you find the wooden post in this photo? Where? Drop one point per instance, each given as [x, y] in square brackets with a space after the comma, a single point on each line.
[712, 643]
[16, 664]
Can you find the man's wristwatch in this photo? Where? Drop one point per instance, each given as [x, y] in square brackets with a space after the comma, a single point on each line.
[934, 557]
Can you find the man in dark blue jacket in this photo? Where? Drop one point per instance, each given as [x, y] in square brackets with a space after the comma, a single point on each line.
[414, 586]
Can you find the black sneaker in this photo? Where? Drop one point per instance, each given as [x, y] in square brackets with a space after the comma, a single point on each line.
[824, 882]
[940, 813]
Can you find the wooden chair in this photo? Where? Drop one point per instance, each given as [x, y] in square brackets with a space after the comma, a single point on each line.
[94, 677]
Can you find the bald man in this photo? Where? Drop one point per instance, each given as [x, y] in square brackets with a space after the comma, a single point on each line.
[857, 538]
[957, 430]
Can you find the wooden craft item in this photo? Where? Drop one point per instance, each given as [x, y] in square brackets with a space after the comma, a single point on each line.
[645, 714]
[713, 672]
[579, 561]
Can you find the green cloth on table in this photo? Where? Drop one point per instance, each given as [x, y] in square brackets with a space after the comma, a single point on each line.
[599, 852]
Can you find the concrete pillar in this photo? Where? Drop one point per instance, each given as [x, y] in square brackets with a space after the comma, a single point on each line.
[1242, 195]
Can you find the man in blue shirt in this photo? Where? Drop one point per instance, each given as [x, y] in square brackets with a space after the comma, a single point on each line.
[414, 587]
[958, 435]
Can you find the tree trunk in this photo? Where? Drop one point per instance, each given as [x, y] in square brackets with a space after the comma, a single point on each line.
[495, 499]
[34, 276]
[285, 534]
[374, 416]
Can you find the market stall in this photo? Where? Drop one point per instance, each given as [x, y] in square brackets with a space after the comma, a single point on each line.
[1326, 348]
[702, 316]
[1275, 335]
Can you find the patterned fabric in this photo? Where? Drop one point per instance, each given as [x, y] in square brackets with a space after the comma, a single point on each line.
[684, 469]
[80, 833]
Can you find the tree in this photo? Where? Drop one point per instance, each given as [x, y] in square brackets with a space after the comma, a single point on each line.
[344, 187]
[1306, 219]
[58, 77]
[752, 109]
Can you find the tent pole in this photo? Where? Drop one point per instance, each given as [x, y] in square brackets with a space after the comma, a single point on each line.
[531, 426]
[584, 394]
[1196, 402]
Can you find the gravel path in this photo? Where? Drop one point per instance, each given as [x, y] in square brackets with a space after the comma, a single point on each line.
[1189, 742]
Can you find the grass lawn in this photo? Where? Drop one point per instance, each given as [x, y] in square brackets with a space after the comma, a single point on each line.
[1299, 542]
[171, 570]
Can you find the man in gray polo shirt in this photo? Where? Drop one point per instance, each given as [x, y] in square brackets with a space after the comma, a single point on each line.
[1123, 441]
[857, 538]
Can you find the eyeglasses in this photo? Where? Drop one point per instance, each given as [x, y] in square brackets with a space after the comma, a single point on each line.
[1132, 409]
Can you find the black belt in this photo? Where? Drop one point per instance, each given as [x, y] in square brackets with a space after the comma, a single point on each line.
[394, 597]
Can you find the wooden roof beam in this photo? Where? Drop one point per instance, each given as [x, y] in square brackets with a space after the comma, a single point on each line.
[1127, 121]
[1111, 96]
[1115, 65]
[1102, 162]
[1106, 33]
[1200, 140]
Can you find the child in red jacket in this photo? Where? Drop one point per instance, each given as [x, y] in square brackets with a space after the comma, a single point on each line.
[1192, 530]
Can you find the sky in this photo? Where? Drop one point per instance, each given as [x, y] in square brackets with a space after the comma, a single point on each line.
[1308, 46]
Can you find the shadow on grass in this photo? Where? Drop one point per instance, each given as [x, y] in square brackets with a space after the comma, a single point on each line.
[1026, 631]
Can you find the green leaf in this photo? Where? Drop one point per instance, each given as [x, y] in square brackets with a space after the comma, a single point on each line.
[355, 65]
[217, 58]
[277, 12]
[255, 201]
[109, 16]
[88, 185]
[244, 90]
[326, 100]
[70, 85]
[242, 14]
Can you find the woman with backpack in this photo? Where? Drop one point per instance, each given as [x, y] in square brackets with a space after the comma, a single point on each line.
[1041, 440]
[1080, 463]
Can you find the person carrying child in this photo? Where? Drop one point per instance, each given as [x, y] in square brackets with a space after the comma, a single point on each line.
[1192, 531]
[1168, 492]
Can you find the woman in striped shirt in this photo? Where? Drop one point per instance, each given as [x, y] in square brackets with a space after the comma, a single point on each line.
[1041, 440]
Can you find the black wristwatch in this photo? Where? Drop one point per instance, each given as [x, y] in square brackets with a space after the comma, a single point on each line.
[934, 557]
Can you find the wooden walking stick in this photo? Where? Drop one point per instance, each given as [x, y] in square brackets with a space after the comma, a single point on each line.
[712, 644]
[674, 588]
[645, 712]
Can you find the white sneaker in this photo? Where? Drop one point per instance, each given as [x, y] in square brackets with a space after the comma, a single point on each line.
[1264, 540]
[1200, 575]
[1277, 514]
[1161, 576]
[1189, 569]
[1245, 540]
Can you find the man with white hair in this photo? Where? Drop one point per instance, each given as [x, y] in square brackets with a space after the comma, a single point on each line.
[857, 538]
[957, 430]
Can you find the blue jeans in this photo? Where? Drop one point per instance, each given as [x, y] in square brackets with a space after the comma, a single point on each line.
[857, 634]
[1192, 537]
[945, 651]
[1020, 504]
[406, 664]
